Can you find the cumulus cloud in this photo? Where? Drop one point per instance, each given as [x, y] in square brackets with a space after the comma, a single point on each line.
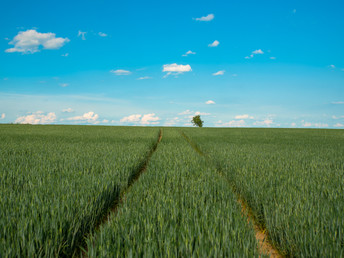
[332, 66]
[222, 72]
[308, 124]
[146, 119]
[30, 41]
[339, 125]
[186, 112]
[209, 17]
[120, 72]
[172, 121]
[266, 122]
[102, 34]
[64, 84]
[65, 55]
[131, 119]
[293, 124]
[3, 115]
[210, 102]
[272, 58]
[214, 44]
[338, 102]
[175, 69]
[189, 53]
[255, 52]
[233, 123]
[38, 117]
[89, 117]
[82, 34]
[201, 113]
[144, 78]
[245, 116]
[149, 119]
[67, 110]
[189, 113]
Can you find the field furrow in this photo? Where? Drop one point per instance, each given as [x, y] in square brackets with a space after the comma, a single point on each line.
[58, 182]
[291, 178]
[179, 207]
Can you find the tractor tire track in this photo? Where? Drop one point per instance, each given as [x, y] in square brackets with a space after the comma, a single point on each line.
[265, 246]
[135, 175]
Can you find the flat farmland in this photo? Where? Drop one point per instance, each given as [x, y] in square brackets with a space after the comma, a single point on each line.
[97, 191]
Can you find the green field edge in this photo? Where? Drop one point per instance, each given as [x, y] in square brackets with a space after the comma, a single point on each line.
[249, 212]
[80, 249]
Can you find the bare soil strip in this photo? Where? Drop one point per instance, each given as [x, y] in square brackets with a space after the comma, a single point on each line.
[264, 244]
[114, 208]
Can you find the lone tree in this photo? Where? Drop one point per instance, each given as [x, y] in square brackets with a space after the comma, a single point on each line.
[196, 121]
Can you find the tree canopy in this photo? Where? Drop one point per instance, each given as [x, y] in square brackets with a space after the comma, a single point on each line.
[197, 121]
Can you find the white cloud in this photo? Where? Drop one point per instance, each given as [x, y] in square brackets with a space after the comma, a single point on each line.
[339, 125]
[209, 17]
[201, 113]
[210, 102]
[37, 118]
[190, 113]
[308, 124]
[65, 55]
[273, 58]
[234, 75]
[332, 66]
[147, 119]
[131, 118]
[89, 117]
[320, 125]
[120, 72]
[105, 121]
[214, 44]
[30, 41]
[186, 112]
[144, 78]
[102, 34]
[222, 72]
[337, 117]
[67, 110]
[82, 34]
[189, 53]
[175, 69]
[171, 122]
[266, 122]
[338, 102]
[293, 124]
[233, 123]
[245, 116]
[64, 84]
[3, 115]
[257, 52]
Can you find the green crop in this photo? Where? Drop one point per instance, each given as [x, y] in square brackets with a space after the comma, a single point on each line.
[293, 180]
[180, 206]
[56, 182]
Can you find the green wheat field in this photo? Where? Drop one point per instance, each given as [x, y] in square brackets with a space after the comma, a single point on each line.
[102, 191]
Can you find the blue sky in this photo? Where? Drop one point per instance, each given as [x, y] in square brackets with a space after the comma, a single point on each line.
[236, 63]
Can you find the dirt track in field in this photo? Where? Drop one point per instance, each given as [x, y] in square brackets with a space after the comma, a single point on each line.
[114, 209]
[264, 245]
